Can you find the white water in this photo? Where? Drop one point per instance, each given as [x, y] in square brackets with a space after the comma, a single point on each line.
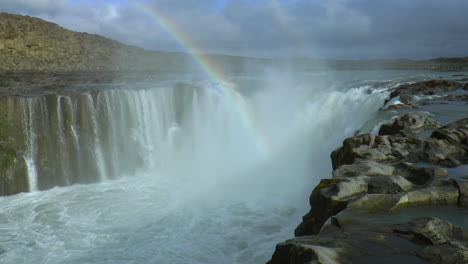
[195, 188]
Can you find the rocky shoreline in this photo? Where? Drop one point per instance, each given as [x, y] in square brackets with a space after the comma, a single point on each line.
[414, 164]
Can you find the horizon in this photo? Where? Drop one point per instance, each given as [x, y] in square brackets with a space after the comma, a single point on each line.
[268, 29]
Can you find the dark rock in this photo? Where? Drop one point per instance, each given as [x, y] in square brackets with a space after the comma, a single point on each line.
[329, 198]
[463, 190]
[388, 184]
[400, 106]
[422, 240]
[409, 125]
[431, 231]
[455, 133]
[392, 149]
[454, 97]
[433, 176]
[363, 167]
[14, 173]
[425, 88]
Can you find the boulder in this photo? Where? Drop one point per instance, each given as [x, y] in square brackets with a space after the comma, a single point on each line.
[408, 125]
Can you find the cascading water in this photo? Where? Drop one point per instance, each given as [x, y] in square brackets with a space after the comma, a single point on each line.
[196, 176]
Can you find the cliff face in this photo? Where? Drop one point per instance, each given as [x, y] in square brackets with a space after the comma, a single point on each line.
[28, 43]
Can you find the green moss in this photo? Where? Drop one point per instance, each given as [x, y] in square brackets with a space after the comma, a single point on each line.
[325, 183]
[13, 170]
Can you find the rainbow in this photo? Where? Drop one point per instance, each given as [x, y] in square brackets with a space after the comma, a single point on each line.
[210, 70]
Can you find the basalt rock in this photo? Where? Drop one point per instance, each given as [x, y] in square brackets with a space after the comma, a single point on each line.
[409, 125]
[400, 106]
[456, 133]
[391, 149]
[422, 240]
[380, 173]
[455, 97]
[330, 197]
[425, 88]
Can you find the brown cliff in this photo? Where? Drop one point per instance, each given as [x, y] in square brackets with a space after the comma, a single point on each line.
[33, 44]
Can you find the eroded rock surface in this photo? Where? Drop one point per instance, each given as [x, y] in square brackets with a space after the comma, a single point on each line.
[422, 240]
[409, 125]
[425, 88]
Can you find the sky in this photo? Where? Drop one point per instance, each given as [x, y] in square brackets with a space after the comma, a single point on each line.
[332, 29]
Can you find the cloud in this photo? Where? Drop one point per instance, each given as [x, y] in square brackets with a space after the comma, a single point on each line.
[273, 28]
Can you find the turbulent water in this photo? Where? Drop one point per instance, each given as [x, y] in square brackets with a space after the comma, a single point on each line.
[182, 170]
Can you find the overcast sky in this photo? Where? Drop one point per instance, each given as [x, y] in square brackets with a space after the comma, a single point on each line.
[345, 29]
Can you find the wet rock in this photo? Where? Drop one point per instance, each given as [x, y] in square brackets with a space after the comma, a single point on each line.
[463, 190]
[14, 173]
[363, 167]
[329, 198]
[455, 97]
[379, 173]
[424, 176]
[400, 106]
[455, 133]
[422, 240]
[434, 195]
[389, 184]
[375, 202]
[425, 88]
[409, 125]
[391, 149]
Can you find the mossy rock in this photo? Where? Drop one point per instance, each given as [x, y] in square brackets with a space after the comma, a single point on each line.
[13, 172]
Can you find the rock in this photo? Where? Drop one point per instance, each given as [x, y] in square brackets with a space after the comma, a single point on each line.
[440, 195]
[424, 176]
[375, 202]
[425, 88]
[329, 198]
[463, 190]
[455, 133]
[409, 125]
[454, 97]
[389, 184]
[422, 240]
[400, 106]
[392, 149]
[379, 173]
[14, 173]
[363, 167]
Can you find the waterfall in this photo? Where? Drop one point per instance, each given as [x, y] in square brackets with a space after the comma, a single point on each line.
[184, 172]
[92, 136]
